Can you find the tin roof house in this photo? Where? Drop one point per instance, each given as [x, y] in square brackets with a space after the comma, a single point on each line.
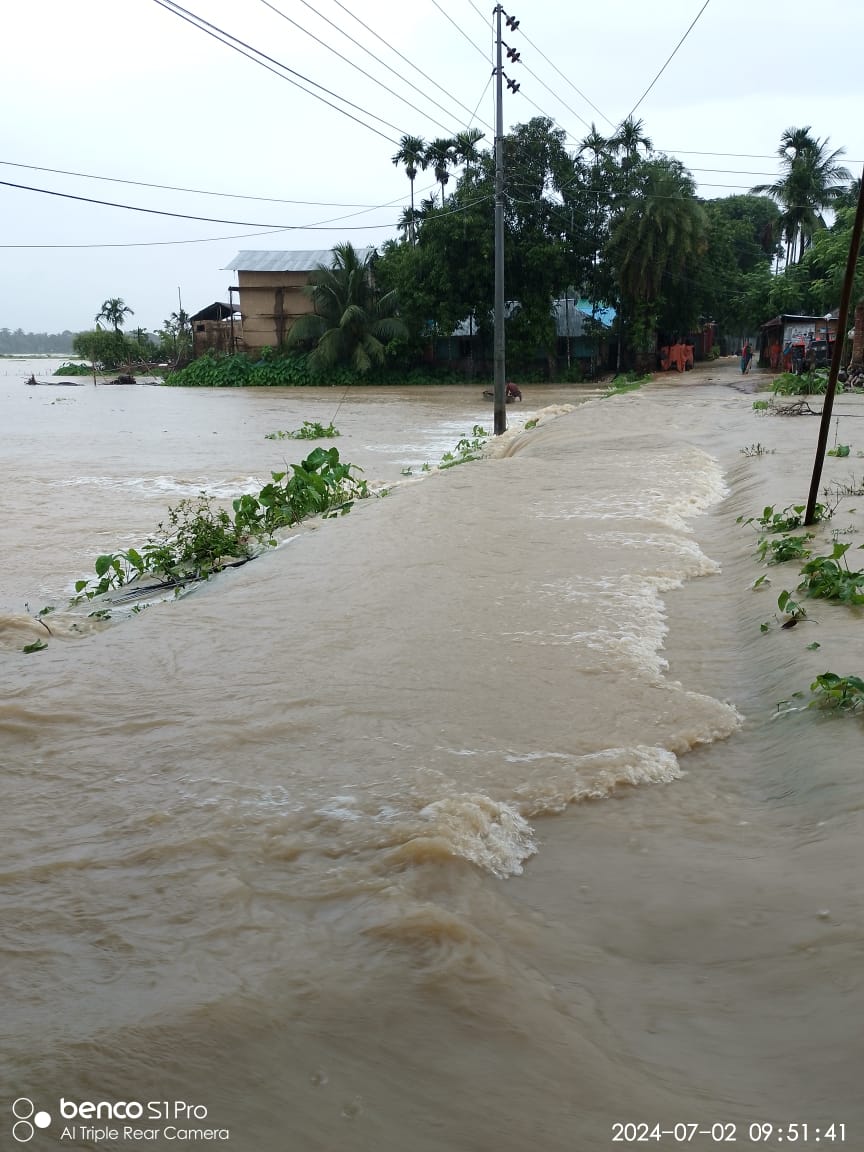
[269, 292]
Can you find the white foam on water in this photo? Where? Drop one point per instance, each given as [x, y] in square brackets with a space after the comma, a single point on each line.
[489, 833]
[173, 485]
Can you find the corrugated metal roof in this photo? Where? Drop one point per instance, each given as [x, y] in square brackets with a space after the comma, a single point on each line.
[259, 260]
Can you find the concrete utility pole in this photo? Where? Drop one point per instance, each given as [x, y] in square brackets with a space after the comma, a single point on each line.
[840, 340]
[499, 377]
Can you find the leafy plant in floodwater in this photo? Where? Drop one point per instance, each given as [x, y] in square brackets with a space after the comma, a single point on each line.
[792, 609]
[531, 423]
[785, 549]
[36, 646]
[308, 430]
[839, 450]
[826, 578]
[321, 484]
[113, 569]
[839, 693]
[789, 518]
[762, 405]
[466, 449]
[810, 384]
[757, 450]
[199, 539]
[627, 382]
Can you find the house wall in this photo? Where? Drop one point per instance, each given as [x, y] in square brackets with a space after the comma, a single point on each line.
[211, 335]
[269, 303]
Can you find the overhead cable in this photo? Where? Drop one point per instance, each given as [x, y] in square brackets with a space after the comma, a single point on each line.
[233, 42]
[362, 71]
[396, 51]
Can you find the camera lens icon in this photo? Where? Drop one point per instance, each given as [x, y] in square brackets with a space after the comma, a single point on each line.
[27, 1120]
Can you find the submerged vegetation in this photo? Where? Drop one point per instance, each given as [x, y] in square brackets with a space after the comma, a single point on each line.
[308, 430]
[200, 539]
[838, 693]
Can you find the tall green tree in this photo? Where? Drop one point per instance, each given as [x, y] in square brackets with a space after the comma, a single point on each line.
[811, 180]
[465, 150]
[412, 153]
[353, 322]
[440, 156]
[654, 245]
[114, 311]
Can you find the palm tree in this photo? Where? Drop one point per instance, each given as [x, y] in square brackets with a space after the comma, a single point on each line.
[811, 180]
[628, 138]
[351, 323]
[465, 149]
[412, 153]
[595, 143]
[658, 232]
[408, 222]
[115, 312]
[440, 156]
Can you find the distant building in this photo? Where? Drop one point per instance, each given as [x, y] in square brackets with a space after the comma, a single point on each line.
[581, 331]
[781, 334]
[213, 329]
[269, 293]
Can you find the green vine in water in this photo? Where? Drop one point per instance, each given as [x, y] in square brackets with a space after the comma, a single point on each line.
[198, 540]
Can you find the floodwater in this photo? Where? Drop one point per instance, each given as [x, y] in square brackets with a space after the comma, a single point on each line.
[467, 821]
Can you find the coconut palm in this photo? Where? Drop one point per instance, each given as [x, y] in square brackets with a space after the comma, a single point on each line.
[412, 153]
[440, 156]
[811, 180]
[352, 323]
[115, 311]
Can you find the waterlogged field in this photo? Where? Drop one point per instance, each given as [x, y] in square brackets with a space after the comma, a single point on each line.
[468, 819]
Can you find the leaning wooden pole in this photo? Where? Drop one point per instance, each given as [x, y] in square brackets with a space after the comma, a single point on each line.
[839, 341]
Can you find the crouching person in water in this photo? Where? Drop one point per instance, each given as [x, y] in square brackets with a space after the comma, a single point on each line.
[513, 392]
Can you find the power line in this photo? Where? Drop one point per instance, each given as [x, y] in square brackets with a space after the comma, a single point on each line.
[556, 96]
[362, 71]
[188, 216]
[461, 31]
[487, 22]
[384, 64]
[323, 225]
[372, 32]
[570, 82]
[668, 61]
[226, 38]
[200, 191]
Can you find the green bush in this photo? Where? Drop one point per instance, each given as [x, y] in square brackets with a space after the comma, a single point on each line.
[271, 368]
[68, 369]
[810, 384]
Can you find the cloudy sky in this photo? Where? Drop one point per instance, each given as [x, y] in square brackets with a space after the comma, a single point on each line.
[128, 89]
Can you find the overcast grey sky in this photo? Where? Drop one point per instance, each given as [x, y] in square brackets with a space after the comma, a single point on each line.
[127, 89]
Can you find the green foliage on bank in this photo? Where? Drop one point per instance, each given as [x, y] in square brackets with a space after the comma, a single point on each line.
[112, 350]
[274, 369]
